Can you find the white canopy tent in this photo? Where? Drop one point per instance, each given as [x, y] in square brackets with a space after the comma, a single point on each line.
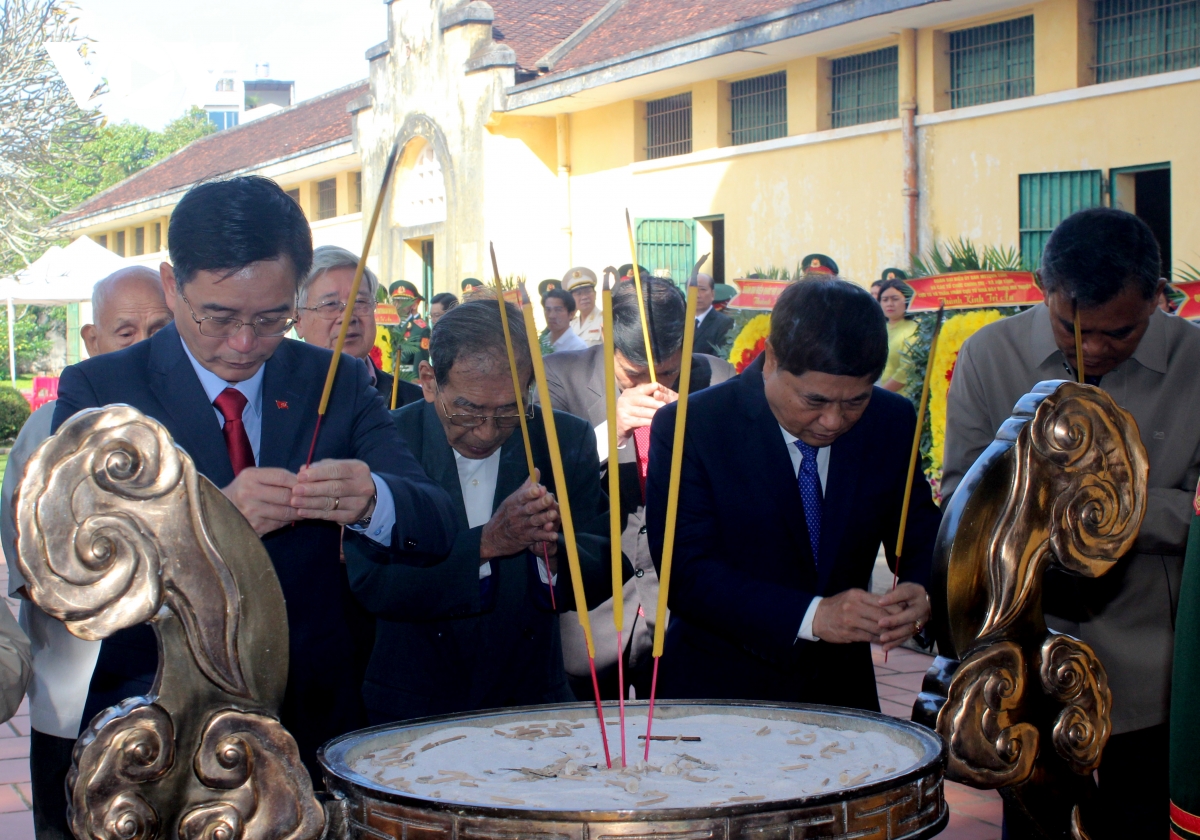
[61, 275]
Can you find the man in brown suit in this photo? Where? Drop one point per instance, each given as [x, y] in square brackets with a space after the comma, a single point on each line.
[576, 383]
[1108, 263]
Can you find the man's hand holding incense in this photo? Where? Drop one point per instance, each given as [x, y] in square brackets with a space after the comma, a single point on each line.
[340, 491]
[636, 407]
[528, 516]
[851, 616]
[908, 612]
[264, 496]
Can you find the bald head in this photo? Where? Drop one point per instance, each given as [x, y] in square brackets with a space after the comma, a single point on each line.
[127, 307]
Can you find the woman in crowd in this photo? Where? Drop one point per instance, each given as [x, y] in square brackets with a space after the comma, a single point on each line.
[894, 301]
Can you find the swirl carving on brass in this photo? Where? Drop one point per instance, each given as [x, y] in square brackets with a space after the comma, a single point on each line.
[115, 527]
[1023, 709]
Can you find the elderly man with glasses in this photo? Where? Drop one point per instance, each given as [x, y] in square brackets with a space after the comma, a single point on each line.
[242, 400]
[480, 630]
[322, 299]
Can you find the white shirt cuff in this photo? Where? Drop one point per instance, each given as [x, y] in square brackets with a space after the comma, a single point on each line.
[383, 518]
[485, 570]
[542, 573]
[806, 633]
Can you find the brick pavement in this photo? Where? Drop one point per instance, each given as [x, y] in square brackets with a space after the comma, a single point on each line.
[974, 815]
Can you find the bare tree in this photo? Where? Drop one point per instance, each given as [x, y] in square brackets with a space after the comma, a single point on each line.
[42, 129]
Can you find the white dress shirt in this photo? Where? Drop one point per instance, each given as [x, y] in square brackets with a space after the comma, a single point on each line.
[379, 528]
[790, 439]
[568, 342]
[477, 478]
[700, 316]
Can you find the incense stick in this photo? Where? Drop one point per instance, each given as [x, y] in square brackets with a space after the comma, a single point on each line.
[340, 344]
[516, 380]
[614, 498]
[637, 283]
[668, 552]
[564, 507]
[395, 378]
[1078, 344]
[922, 406]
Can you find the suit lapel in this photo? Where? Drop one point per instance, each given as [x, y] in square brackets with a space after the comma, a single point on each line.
[192, 419]
[841, 489]
[287, 413]
[513, 469]
[437, 459]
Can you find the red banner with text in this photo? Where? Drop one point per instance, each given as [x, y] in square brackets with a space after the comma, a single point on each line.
[757, 294]
[974, 290]
[1189, 308]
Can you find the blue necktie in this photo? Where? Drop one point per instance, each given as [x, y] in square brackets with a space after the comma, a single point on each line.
[810, 495]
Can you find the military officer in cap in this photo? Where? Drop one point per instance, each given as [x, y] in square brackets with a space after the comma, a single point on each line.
[470, 286]
[414, 330]
[722, 294]
[819, 264]
[547, 286]
[625, 272]
[588, 322]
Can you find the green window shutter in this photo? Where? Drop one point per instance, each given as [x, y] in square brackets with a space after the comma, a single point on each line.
[669, 244]
[865, 87]
[669, 126]
[1049, 197]
[991, 63]
[758, 108]
[1142, 37]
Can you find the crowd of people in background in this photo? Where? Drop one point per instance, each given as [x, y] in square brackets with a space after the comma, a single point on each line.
[422, 564]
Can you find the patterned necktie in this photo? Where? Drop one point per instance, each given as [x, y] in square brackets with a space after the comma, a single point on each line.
[231, 402]
[641, 444]
[810, 495]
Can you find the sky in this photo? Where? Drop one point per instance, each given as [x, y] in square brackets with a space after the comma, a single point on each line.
[161, 56]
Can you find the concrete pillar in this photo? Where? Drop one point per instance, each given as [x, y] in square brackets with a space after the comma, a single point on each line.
[808, 95]
[1063, 45]
[562, 129]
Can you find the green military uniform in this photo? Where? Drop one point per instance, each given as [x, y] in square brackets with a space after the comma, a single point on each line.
[414, 330]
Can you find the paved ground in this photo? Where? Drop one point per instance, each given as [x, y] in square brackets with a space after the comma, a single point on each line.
[974, 815]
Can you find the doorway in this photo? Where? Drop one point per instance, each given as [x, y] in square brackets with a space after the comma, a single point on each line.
[711, 239]
[1145, 191]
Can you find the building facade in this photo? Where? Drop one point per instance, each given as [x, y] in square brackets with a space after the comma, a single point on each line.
[763, 130]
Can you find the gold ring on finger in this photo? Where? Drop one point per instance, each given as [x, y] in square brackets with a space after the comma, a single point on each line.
[917, 626]
[337, 503]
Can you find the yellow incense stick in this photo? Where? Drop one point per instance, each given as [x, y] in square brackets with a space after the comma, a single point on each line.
[614, 477]
[395, 379]
[668, 552]
[560, 478]
[637, 283]
[358, 275]
[1078, 345]
[922, 406]
[512, 366]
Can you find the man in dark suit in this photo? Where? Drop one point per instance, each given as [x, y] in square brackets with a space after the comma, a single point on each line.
[477, 631]
[242, 402]
[768, 590]
[712, 327]
[322, 305]
[576, 383]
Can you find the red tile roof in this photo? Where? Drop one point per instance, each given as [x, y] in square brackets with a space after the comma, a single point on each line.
[307, 125]
[534, 27]
[640, 24]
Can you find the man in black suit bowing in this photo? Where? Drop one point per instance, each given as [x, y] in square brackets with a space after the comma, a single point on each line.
[242, 400]
[712, 327]
[768, 591]
[477, 631]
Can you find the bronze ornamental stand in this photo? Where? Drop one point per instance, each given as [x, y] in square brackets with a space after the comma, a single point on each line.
[115, 528]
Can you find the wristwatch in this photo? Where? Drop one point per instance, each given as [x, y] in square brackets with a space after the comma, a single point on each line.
[366, 517]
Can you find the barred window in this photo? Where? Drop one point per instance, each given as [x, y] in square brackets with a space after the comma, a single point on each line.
[139, 241]
[669, 126]
[294, 195]
[759, 108]
[120, 249]
[326, 199]
[1142, 37]
[667, 244]
[865, 87]
[991, 63]
[102, 240]
[1049, 197]
[356, 192]
[157, 237]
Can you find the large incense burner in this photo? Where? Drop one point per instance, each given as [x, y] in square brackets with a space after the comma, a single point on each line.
[747, 770]
[116, 527]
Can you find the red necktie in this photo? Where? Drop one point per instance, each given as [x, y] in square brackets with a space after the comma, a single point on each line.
[641, 444]
[231, 402]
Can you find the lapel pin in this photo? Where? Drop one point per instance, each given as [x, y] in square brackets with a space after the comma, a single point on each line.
[281, 404]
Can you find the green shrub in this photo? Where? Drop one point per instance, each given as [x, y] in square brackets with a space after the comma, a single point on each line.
[14, 411]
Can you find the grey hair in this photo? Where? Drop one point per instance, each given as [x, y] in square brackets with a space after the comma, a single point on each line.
[328, 257]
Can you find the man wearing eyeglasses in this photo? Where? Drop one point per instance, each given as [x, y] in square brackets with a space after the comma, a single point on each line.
[242, 400]
[323, 302]
[480, 630]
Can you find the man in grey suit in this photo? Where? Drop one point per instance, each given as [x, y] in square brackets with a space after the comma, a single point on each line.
[1107, 262]
[576, 384]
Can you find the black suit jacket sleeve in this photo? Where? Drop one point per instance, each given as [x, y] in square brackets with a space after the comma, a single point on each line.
[924, 516]
[75, 393]
[707, 588]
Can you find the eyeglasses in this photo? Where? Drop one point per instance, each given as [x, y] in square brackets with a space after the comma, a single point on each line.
[330, 310]
[474, 421]
[215, 326]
